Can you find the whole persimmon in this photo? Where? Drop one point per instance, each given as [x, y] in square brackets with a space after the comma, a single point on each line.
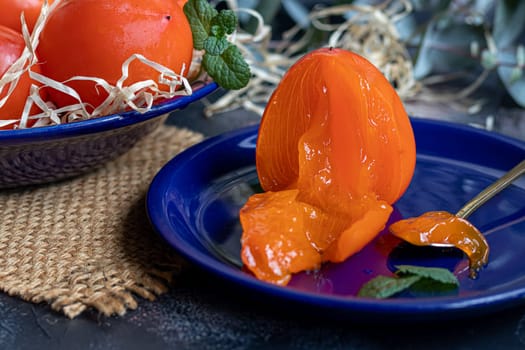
[12, 9]
[93, 38]
[11, 47]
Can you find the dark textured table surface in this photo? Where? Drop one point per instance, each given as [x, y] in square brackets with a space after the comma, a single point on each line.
[203, 312]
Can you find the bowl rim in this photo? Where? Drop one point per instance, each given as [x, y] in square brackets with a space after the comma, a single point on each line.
[104, 123]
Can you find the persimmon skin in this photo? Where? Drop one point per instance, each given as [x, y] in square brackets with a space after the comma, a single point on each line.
[12, 9]
[335, 149]
[11, 47]
[93, 38]
[371, 136]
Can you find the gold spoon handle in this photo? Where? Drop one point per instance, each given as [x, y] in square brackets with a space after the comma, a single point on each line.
[492, 190]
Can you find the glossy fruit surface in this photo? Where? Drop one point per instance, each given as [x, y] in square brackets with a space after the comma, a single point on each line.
[93, 38]
[11, 47]
[441, 227]
[12, 9]
[335, 149]
[337, 104]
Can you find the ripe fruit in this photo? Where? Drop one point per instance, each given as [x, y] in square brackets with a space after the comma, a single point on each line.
[12, 9]
[335, 149]
[11, 47]
[341, 99]
[93, 38]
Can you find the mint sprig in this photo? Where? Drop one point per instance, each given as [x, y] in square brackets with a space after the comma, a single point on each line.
[428, 280]
[222, 60]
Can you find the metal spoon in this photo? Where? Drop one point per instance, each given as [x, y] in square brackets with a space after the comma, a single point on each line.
[485, 196]
[491, 190]
[443, 229]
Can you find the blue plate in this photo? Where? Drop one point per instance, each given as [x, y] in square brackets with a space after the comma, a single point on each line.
[194, 201]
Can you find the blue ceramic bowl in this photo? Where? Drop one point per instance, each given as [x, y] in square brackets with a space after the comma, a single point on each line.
[41, 155]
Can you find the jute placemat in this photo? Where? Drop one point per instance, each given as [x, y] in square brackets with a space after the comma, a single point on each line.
[86, 242]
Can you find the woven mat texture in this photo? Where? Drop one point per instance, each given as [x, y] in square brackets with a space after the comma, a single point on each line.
[86, 242]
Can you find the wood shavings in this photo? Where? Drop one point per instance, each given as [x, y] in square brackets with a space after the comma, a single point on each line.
[367, 30]
[138, 96]
[370, 31]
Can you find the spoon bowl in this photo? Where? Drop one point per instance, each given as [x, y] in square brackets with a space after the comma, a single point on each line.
[443, 229]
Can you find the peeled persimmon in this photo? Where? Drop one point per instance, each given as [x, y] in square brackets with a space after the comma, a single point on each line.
[11, 47]
[335, 150]
[93, 38]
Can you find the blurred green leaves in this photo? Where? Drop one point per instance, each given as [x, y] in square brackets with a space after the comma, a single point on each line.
[509, 26]
[481, 35]
[445, 46]
[444, 36]
[509, 22]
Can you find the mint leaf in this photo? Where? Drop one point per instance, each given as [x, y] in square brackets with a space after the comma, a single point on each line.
[382, 287]
[434, 273]
[200, 15]
[222, 60]
[421, 280]
[428, 287]
[226, 21]
[215, 46]
[228, 69]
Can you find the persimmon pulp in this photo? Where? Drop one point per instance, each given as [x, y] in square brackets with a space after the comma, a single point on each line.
[335, 149]
[441, 227]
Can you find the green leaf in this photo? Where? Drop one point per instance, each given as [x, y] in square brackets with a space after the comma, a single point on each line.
[428, 287]
[226, 21]
[431, 6]
[222, 60]
[215, 46]
[229, 69]
[200, 15]
[488, 59]
[515, 75]
[434, 273]
[509, 77]
[427, 280]
[508, 22]
[520, 55]
[445, 47]
[382, 287]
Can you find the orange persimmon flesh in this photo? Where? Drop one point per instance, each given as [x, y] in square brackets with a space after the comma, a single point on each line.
[441, 227]
[335, 149]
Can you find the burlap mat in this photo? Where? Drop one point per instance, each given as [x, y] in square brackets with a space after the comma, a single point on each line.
[86, 242]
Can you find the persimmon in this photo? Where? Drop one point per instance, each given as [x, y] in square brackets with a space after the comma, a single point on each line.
[335, 138]
[441, 227]
[93, 38]
[12, 9]
[11, 47]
